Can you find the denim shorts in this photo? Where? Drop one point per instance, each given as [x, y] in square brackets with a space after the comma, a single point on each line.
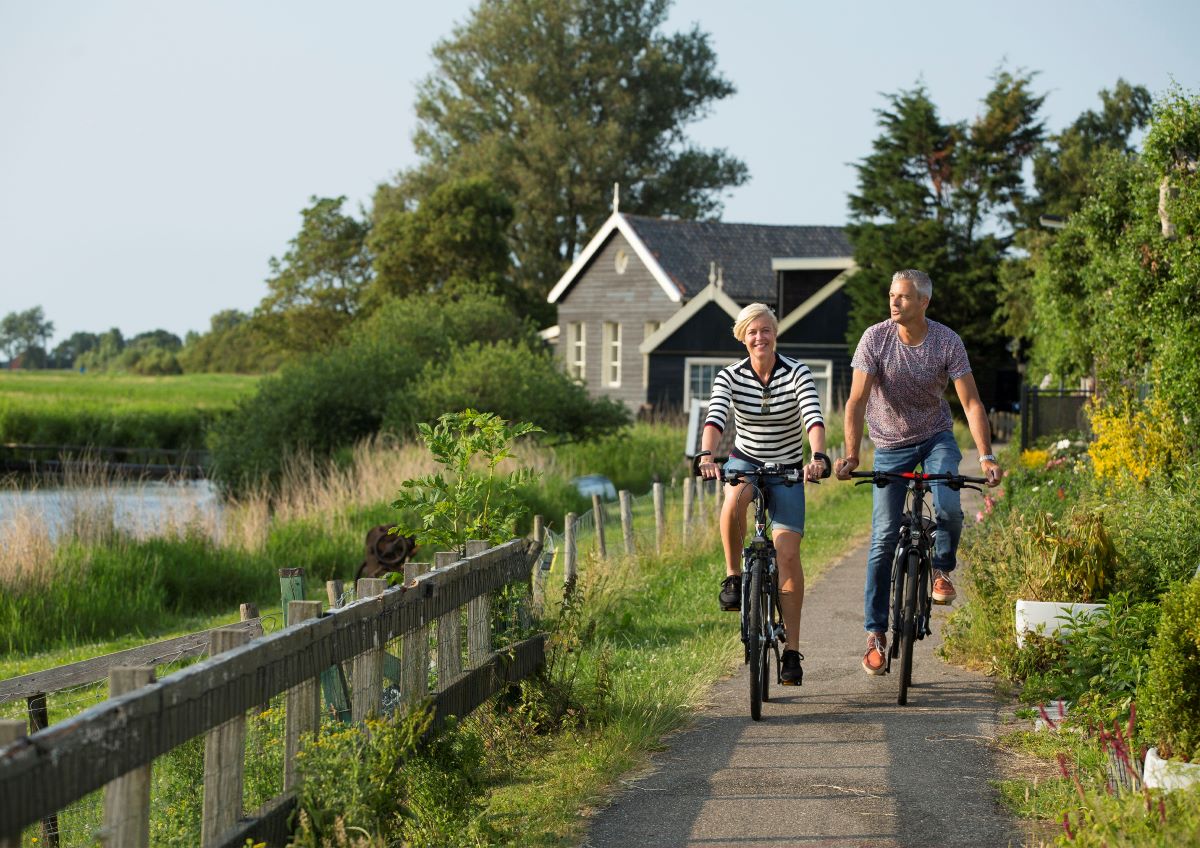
[785, 504]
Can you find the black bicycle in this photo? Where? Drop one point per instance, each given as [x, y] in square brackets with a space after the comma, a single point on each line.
[912, 567]
[761, 622]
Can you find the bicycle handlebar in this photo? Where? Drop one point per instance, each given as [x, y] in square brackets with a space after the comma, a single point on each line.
[885, 478]
[789, 476]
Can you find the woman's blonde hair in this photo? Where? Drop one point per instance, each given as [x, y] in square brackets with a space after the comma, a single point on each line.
[751, 314]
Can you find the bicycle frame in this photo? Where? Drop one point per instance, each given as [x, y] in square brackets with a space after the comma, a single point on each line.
[762, 626]
[912, 565]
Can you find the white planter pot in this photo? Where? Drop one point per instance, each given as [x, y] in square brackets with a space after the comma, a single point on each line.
[1168, 774]
[1046, 617]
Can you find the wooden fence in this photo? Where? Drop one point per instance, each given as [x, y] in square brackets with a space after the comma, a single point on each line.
[113, 744]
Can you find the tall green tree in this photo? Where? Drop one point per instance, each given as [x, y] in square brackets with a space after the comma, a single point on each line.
[1064, 173]
[948, 198]
[22, 331]
[316, 290]
[557, 100]
[456, 239]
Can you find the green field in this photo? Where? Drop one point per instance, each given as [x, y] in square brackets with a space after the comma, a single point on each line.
[115, 410]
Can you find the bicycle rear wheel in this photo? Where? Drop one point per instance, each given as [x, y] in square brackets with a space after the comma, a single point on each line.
[908, 629]
[754, 641]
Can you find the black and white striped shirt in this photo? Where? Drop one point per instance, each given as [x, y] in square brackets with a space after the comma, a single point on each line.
[771, 417]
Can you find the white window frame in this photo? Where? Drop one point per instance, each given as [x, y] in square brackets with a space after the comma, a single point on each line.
[822, 369]
[576, 352]
[688, 362]
[611, 339]
[649, 328]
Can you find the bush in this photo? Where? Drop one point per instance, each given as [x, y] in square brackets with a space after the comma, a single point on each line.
[1171, 694]
[339, 397]
[512, 380]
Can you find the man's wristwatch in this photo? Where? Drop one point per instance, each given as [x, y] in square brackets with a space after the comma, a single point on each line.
[987, 457]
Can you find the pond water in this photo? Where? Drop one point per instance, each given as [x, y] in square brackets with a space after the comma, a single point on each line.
[143, 509]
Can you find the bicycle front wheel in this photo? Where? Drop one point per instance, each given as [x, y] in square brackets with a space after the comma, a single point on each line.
[755, 643]
[908, 625]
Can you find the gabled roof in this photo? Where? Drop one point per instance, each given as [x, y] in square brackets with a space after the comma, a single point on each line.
[681, 254]
[686, 251]
[706, 295]
[616, 222]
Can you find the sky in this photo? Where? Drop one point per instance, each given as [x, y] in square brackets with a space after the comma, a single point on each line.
[155, 155]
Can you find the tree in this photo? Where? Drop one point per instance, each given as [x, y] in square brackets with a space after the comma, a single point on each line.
[1114, 294]
[947, 198]
[1064, 173]
[21, 331]
[66, 352]
[557, 100]
[316, 289]
[455, 239]
[233, 344]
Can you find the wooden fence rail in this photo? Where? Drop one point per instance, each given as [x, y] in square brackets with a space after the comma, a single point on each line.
[43, 772]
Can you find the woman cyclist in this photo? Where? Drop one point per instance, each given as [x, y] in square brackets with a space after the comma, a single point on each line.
[774, 403]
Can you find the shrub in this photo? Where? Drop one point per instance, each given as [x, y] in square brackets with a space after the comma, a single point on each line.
[339, 397]
[1171, 694]
[512, 380]
[1138, 440]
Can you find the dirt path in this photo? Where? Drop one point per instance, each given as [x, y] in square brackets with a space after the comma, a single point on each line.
[835, 762]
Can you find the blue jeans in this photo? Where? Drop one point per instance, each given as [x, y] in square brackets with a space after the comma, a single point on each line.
[939, 454]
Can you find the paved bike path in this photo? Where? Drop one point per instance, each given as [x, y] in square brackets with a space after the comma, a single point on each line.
[835, 762]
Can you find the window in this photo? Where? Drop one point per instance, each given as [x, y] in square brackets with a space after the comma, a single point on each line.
[612, 354]
[576, 351]
[648, 330]
[699, 373]
[822, 374]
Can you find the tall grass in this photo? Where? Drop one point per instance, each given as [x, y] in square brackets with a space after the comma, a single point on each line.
[105, 581]
[104, 410]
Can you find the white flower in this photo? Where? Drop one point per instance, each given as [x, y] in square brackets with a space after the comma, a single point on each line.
[1063, 445]
[1035, 488]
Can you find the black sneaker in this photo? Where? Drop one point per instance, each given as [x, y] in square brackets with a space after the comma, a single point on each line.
[792, 674]
[731, 593]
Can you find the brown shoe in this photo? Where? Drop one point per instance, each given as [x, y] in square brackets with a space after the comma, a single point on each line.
[943, 589]
[875, 659]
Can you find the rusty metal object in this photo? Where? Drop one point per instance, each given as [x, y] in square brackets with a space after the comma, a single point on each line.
[386, 552]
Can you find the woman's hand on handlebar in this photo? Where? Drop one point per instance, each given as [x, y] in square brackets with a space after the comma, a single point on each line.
[844, 466]
[709, 470]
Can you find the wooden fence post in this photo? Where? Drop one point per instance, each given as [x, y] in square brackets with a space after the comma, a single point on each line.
[334, 589]
[449, 629]
[415, 649]
[479, 609]
[716, 500]
[627, 522]
[598, 523]
[127, 799]
[688, 492]
[291, 588]
[366, 693]
[39, 719]
[569, 552]
[224, 759]
[303, 702]
[11, 729]
[660, 518]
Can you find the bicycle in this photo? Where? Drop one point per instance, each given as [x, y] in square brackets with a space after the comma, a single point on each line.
[912, 566]
[762, 627]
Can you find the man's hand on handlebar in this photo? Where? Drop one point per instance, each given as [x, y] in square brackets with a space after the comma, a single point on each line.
[844, 466]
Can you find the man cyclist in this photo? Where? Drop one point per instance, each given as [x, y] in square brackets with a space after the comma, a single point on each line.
[774, 403]
[900, 371]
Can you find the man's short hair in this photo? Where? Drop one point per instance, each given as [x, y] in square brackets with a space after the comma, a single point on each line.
[919, 279]
[750, 314]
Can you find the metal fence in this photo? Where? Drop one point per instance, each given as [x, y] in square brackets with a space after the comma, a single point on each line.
[1051, 412]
